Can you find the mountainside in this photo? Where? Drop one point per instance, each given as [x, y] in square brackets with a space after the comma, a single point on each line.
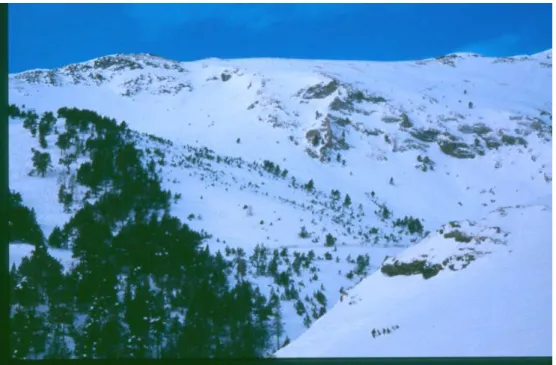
[486, 308]
[318, 170]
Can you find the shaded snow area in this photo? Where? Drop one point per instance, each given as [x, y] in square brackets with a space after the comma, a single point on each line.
[415, 197]
[20, 250]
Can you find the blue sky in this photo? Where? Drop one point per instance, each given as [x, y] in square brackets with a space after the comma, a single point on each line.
[53, 35]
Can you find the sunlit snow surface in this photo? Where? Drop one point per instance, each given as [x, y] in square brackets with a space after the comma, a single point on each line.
[498, 305]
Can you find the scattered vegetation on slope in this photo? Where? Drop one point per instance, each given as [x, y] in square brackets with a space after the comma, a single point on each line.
[321, 91]
[411, 268]
[126, 241]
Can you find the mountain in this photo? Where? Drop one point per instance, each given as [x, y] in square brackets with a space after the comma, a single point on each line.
[322, 169]
[485, 309]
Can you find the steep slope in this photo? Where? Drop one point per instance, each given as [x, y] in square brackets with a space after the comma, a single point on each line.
[413, 145]
[456, 108]
[498, 305]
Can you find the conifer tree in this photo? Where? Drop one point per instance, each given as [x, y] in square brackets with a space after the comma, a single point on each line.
[58, 347]
[347, 201]
[277, 323]
[330, 240]
[111, 343]
[41, 161]
[137, 317]
[310, 186]
[20, 338]
[31, 122]
[65, 197]
[160, 318]
[22, 222]
[28, 333]
[56, 238]
[63, 142]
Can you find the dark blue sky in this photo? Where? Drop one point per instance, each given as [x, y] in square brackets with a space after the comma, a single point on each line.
[53, 35]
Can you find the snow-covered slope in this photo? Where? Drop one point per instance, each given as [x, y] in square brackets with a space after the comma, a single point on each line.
[438, 140]
[500, 305]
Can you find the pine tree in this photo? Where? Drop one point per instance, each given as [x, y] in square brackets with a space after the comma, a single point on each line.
[310, 186]
[111, 343]
[307, 321]
[299, 308]
[20, 338]
[320, 297]
[22, 222]
[30, 122]
[171, 346]
[28, 333]
[277, 323]
[89, 335]
[58, 347]
[27, 292]
[42, 141]
[48, 120]
[347, 201]
[243, 335]
[196, 336]
[160, 318]
[137, 317]
[65, 198]
[41, 161]
[57, 239]
[63, 142]
[304, 233]
[330, 240]
[14, 111]
[14, 279]
[60, 309]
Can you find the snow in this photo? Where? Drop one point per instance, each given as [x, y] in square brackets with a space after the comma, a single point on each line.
[498, 306]
[214, 114]
[20, 250]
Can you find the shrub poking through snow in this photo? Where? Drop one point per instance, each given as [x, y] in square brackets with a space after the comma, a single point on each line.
[458, 236]
[411, 268]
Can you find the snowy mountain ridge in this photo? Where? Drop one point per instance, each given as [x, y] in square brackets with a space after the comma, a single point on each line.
[353, 161]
